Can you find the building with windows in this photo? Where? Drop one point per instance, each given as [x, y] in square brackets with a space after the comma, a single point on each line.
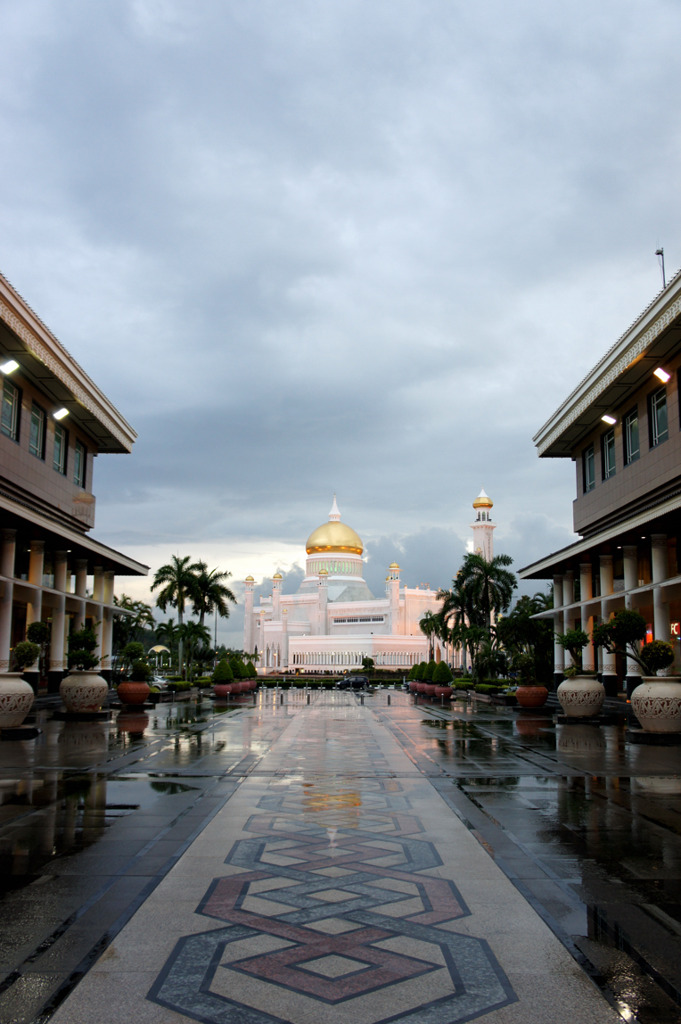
[54, 421]
[334, 620]
[621, 428]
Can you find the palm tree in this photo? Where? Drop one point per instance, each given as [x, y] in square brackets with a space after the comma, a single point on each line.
[178, 582]
[194, 635]
[488, 586]
[211, 593]
[430, 626]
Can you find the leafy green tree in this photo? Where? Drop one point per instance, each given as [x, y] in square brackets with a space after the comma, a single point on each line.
[193, 636]
[177, 581]
[137, 619]
[211, 593]
[520, 632]
[223, 672]
[442, 674]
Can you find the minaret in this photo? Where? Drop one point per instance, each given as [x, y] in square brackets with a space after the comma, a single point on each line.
[249, 641]
[483, 527]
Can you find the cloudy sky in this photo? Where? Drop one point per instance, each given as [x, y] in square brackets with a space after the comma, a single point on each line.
[352, 246]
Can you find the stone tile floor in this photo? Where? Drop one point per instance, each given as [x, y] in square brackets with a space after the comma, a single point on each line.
[338, 861]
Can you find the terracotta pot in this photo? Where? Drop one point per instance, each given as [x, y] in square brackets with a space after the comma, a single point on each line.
[443, 691]
[83, 691]
[421, 687]
[656, 702]
[429, 690]
[222, 689]
[581, 696]
[16, 698]
[531, 696]
[413, 686]
[134, 693]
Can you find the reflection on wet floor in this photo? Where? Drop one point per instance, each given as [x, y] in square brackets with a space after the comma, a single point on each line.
[587, 825]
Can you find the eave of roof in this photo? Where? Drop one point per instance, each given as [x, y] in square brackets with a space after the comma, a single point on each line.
[46, 362]
[622, 370]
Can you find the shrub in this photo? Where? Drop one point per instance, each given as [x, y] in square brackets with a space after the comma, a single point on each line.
[24, 654]
[442, 674]
[656, 655]
[82, 644]
[223, 672]
[140, 671]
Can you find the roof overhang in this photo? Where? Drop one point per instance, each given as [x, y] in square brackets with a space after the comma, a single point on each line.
[46, 363]
[649, 521]
[620, 373]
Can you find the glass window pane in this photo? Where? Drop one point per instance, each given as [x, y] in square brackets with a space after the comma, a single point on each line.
[9, 420]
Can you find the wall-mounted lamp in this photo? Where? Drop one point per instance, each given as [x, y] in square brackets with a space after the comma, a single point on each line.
[59, 414]
[9, 366]
[661, 374]
[609, 419]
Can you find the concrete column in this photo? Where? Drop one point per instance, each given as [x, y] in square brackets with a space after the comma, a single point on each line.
[323, 603]
[660, 568]
[108, 591]
[57, 646]
[587, 619]
[98, 583]
[61, 563]
[608, 667]
[558, 652]
[284, 638]
[568, 598]
[81, 577]
[106, 636]
[7, 557]
[630, 559]
[36, 564]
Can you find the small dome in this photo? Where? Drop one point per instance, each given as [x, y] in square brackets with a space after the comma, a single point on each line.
[323, 572]
[277, 576]
[393, 565]
[483, 501]
[334, 536]
[249, 579]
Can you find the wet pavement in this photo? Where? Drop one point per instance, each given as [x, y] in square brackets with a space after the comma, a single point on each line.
[121, 838]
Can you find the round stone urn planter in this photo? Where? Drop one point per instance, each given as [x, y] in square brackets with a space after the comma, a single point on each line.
[429, 690]
[581, 696]
[413, 686]
[16, 698]
[222, 689]
[83, 690]
[531, 696]
[133, 693]
[656, 702]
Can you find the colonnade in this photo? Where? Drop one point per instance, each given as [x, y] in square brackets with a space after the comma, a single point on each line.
[59, 597]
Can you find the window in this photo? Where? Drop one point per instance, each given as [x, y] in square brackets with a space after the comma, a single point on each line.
[36, 440]
[61, 444]
[79, 464]
[11, 406]
[589, 468]
[630, 434]
[657, 417]
[608, 454]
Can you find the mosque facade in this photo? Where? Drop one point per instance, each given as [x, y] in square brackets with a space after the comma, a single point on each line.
[334, 621]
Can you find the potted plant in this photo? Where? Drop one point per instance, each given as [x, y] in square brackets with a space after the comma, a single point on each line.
[581, 695]
[656, 701]
[529, 693]
[83, 689]
[135, 691]
[16, 695]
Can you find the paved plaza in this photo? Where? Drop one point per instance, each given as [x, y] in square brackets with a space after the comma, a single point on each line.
[338, 859]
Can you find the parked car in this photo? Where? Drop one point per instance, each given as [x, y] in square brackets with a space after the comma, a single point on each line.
[353, 683]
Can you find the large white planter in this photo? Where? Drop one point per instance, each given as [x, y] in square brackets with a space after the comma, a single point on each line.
[83, 691]
[16, 698]
[656, 702]
[581, 696]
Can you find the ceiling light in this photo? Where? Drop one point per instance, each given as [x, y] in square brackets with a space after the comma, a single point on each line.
[9, 366]
[60, 413]
[609, 419]
[662, 374]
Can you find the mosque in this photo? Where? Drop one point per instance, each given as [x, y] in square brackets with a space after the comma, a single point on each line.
[334, 621]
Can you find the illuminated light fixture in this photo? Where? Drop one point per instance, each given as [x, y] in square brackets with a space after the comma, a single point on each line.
[59, 414]
[9, 366]
[609, 419]
[661, 374]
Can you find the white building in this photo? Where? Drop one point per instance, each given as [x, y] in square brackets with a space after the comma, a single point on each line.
[334, 620]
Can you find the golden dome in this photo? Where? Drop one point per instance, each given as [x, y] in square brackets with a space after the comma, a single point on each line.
[483, 501]
[334, 536]
[393, 565]
[249, 579]
[277, 576]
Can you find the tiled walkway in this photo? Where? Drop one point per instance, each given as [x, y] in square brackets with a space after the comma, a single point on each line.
[335, 885]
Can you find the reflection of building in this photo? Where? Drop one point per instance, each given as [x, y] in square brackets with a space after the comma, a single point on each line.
[622, 430]
[54, 422]
[333, 621]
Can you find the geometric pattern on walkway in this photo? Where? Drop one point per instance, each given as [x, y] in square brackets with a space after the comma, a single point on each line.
[329, 916]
